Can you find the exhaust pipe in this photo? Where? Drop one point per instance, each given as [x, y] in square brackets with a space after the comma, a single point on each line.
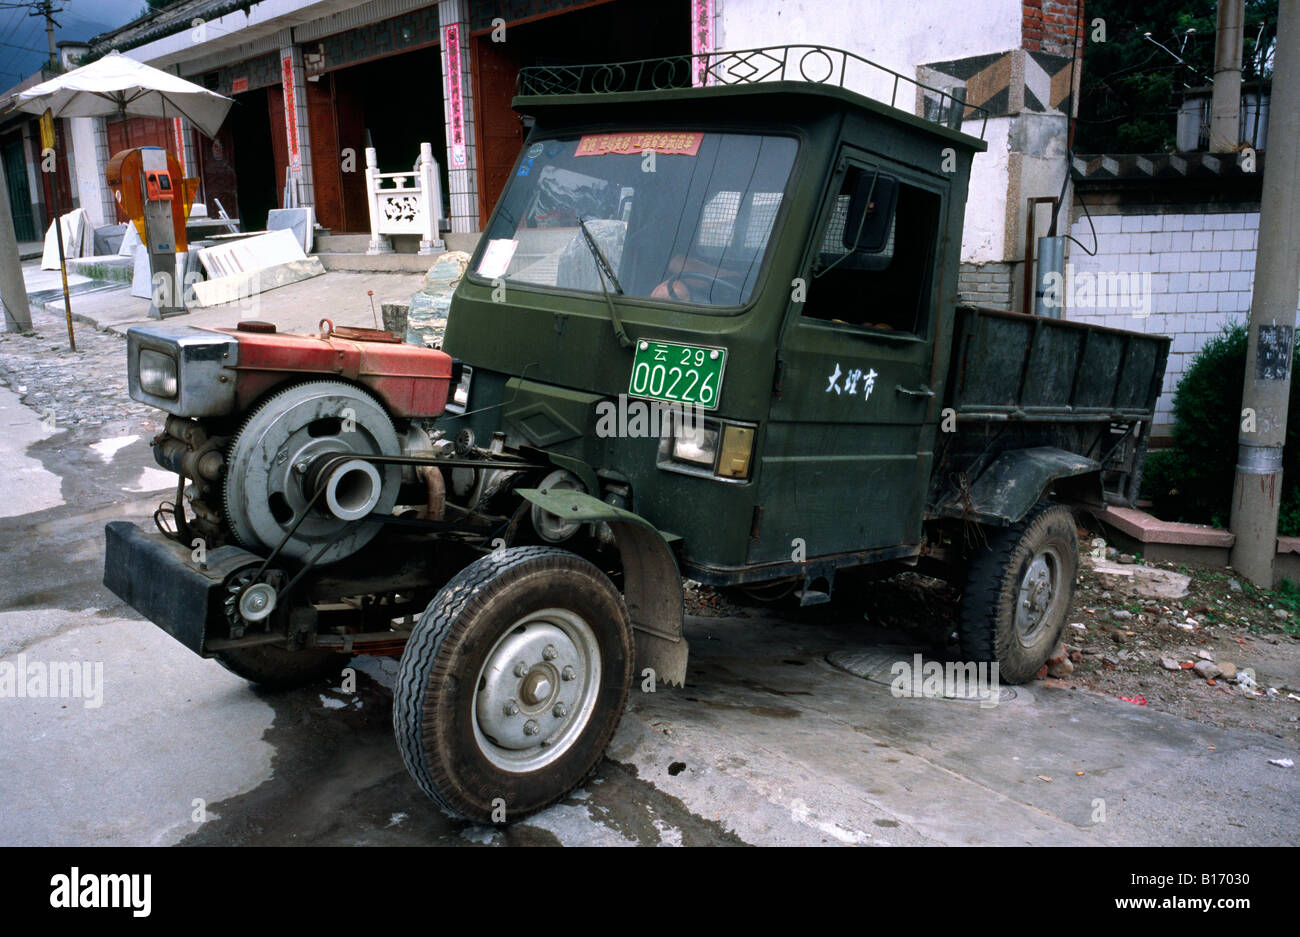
[436, 501]
[352, 487]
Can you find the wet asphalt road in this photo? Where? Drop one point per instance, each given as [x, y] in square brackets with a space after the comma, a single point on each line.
[768, 743]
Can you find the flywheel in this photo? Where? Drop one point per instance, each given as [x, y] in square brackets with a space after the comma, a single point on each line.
[266, 484]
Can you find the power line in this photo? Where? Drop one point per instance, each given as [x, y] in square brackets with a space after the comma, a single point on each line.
[45, 8]
[24, 48]
[8, 31]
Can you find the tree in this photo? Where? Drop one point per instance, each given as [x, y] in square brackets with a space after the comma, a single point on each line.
[1131, 87]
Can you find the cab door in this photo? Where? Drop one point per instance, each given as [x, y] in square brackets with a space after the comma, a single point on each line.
[848, 446]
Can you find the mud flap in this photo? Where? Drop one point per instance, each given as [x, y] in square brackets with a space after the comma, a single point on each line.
[1013, 483]
[652, 585]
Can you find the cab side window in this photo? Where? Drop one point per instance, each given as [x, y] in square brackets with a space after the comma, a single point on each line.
[876, 253]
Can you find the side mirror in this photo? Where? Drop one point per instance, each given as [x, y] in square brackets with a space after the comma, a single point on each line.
[871, 209]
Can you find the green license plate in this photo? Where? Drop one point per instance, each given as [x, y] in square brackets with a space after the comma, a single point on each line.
[687, 374]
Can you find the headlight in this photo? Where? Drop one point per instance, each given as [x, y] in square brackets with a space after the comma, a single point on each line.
[157, 373]
[705, 446]
[183, 370]
[459, 401]
[697, 444]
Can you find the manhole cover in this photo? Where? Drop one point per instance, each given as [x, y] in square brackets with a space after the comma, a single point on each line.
[920, 675]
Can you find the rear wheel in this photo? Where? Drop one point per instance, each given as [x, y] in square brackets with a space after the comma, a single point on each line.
[513, 682]
[1018, 593]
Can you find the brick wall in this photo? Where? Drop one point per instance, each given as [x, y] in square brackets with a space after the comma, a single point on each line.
[986, 284]
[1201, 268]
[1049, 25]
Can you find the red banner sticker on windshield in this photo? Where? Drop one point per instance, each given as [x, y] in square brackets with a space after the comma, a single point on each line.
[674, 144]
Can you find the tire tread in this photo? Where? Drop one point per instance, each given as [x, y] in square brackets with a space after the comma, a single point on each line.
[419, 661]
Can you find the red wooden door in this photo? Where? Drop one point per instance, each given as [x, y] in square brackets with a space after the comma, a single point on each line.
[136, 132]
[499, 130]
[350, 125]
[325, 169]
[60, 176]
[279, 138]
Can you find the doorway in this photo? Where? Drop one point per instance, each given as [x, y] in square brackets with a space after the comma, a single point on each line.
[251, 126]
[20, 197]
[393, 104]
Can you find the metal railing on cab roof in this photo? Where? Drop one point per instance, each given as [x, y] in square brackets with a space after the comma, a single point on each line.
[815, 64]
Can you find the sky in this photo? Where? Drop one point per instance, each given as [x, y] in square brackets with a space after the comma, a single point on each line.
[23, 45]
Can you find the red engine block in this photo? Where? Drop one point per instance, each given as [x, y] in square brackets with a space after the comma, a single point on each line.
[410, 380]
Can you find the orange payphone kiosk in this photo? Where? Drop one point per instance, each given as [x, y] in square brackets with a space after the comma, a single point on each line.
[148, 182]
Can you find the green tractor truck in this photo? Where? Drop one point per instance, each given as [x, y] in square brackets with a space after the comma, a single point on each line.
[710, 331]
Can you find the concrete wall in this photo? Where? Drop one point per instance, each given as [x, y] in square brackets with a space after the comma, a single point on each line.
[984, 231]
[88, 184]
[902, 37]
[1001, 51]
[1197, 269]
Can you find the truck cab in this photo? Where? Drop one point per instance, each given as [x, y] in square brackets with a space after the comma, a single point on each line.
[784, 259]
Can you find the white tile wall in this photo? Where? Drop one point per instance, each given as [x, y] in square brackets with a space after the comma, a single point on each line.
[1201, 269]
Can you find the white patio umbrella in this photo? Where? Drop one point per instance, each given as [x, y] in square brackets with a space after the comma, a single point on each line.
[119, 85]
[116, 84]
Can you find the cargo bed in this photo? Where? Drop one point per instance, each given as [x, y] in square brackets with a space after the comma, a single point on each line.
[1009, 366]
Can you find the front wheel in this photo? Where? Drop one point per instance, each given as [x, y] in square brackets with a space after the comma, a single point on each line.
[513, 682]
[1018, 593]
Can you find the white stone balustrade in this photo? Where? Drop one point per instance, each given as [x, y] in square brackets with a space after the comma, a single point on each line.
[404, 203]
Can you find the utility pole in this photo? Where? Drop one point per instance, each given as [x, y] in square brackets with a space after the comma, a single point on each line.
[46, 9]
[13, 292]
[1266, 390]
[1225, 104]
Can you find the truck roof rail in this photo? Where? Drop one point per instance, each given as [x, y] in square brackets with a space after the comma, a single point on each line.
[822, 65]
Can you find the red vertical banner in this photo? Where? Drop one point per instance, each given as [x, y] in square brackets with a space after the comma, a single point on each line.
[455, 96]
[178, 130]
[702, 13]
[290, 114]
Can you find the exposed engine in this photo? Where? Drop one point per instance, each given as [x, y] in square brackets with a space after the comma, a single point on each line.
[283, 437]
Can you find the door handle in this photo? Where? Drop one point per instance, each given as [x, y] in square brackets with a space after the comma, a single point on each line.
[923, 392]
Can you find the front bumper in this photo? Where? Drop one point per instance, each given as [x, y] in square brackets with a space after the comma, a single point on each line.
[157, 578]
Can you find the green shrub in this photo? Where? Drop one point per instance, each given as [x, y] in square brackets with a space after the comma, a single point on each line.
[1192, 480]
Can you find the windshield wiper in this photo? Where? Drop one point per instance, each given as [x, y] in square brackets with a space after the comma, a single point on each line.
[599, 255]
[603, 269]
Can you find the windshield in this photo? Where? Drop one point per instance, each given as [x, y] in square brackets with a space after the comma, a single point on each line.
[679, 216]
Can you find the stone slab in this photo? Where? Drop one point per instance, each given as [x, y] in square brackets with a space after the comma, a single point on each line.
[229, 290]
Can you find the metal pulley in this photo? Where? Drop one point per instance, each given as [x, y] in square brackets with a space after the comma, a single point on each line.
[273, 464]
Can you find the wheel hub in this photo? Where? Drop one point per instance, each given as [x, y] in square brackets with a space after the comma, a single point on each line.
[536, 690]
[1037, 593]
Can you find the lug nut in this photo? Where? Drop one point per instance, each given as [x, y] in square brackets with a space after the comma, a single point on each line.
[531, 727]
[568, 673]
[559, 710]
[549, 652]
[511, 708]
[521, 669]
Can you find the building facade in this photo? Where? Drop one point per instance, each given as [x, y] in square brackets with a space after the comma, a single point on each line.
[1166, 245]
[316, 83]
